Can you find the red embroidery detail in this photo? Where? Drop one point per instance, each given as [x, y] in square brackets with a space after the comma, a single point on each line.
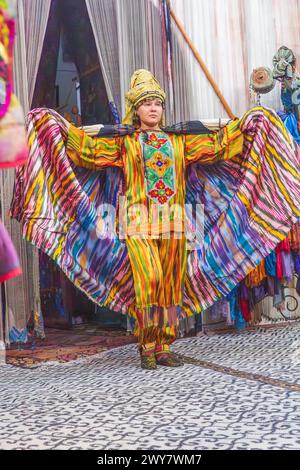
[161, 192]
[154, 141]
[153, 193]
[162, 199]
[169, 192]
[160, 185]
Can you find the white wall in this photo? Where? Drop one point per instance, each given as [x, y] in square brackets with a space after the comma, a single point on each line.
[233, 37]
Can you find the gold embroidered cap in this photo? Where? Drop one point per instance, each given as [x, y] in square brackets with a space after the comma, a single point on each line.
[143, 85]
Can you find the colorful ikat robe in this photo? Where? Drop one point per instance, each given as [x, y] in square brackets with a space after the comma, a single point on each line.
[245, 175]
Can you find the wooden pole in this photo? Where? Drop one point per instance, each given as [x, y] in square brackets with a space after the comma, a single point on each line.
[201, 63]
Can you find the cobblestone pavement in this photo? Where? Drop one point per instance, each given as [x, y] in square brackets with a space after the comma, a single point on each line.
[236, 391]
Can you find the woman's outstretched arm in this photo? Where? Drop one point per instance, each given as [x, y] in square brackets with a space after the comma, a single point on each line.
[218, 145]
[93, 153]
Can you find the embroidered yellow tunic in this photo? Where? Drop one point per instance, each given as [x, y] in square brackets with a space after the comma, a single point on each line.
[154, 166]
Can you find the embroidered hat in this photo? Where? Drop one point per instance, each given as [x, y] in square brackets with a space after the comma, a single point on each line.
[143, 85]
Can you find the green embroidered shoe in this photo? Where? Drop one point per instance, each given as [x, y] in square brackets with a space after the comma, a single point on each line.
[165, 357]
[168, 359]
[148, 359]
[178, 358]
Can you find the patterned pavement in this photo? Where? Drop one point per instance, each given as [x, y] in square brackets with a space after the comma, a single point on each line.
[236, 391]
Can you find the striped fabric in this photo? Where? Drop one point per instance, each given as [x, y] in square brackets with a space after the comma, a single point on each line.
[158, 269]
[251, 202]
[246, 175]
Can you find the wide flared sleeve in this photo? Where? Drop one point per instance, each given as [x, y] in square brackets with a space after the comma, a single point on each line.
[93, 153]
[210, 148]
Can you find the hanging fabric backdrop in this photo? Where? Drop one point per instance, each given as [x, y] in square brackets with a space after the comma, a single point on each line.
[22, 293]
[232, 36]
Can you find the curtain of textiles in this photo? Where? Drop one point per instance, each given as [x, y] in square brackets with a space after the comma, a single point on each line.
[22, 293]
[140, 41]
[128, 37]
[233, 38]
[78, 33]
[31, 27]
[102, 16]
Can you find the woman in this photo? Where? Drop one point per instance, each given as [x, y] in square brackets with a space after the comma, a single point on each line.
[156, 274]
[158, 264]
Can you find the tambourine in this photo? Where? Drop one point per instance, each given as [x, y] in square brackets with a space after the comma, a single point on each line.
[261, 80]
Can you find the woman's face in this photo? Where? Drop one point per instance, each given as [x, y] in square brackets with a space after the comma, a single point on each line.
[150, 112]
